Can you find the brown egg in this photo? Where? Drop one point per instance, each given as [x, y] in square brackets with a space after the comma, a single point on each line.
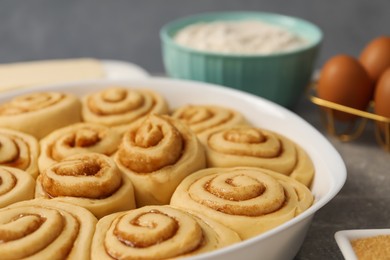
[382, 95]
[375, 57]
[343, 80]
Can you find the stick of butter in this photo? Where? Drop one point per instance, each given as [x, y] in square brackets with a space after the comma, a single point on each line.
[45, 72]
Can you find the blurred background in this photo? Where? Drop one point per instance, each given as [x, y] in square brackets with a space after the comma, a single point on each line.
[129, 29]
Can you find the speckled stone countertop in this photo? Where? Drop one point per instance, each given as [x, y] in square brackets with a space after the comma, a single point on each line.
[363, 201]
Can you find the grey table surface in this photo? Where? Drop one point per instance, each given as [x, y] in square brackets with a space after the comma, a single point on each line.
[129, 30]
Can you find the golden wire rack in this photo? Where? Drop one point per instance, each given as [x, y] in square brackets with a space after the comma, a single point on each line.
[351, 130]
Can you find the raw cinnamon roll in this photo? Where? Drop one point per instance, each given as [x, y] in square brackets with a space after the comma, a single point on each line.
[157, 154]
[77, 139]
[89, 180]
[44, 229]
[252, 146]
[15, 185]
[248, 200]
[40, 113]
[19, 150]
[206, 119]
[120, 106]
[158, 232]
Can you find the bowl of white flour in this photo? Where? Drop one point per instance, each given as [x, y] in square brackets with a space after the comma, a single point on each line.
[270, 55]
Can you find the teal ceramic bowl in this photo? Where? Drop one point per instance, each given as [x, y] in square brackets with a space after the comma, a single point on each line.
[281, 77]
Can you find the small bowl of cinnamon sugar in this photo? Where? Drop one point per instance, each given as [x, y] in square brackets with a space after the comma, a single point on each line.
[364, 244]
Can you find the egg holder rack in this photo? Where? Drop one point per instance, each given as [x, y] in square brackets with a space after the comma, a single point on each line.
[351, 130]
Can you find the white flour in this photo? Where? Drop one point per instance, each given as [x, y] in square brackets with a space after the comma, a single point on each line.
[238, 37]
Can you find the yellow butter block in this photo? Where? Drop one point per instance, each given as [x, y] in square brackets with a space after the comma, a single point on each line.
[45, 72]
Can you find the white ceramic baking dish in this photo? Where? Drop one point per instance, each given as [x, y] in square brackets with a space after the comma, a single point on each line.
[284, 241]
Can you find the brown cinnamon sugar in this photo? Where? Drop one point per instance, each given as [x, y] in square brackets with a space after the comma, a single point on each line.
[375, 248]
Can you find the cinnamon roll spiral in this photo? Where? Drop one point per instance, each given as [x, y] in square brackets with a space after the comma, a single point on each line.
[157, 154]
[249, 200]
[77, 138]
[15, 185]
[253, 146]
[19, 150]
[206, 119]
[119, 106]
[157, 232]
[44, 229]
[89, 180]
[40, 113]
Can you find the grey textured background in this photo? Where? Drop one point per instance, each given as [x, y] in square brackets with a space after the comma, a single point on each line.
[129, 30]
